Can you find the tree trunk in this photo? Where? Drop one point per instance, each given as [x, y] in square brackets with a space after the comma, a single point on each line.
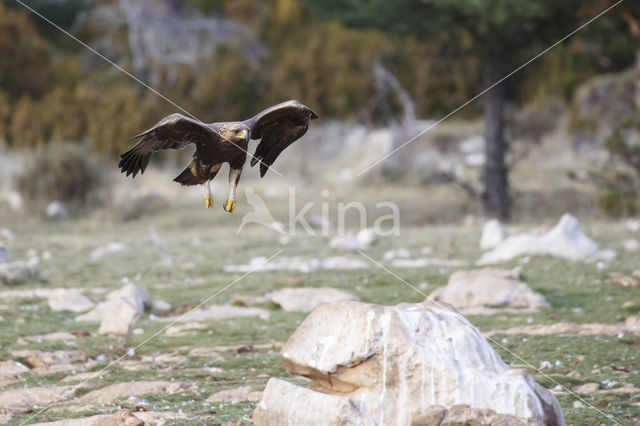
[496, 185]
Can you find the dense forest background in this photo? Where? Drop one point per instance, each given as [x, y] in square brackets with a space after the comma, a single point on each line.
[226, 59]
[370, 63]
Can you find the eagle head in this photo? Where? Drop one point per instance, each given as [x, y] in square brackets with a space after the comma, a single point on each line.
[236, 132]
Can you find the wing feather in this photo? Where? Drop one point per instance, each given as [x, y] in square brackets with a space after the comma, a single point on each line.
[278, 127]
[172, 132]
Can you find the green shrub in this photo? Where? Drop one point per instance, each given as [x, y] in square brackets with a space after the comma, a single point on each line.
[64, 172]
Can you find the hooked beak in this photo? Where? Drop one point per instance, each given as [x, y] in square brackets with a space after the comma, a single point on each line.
[244, 134]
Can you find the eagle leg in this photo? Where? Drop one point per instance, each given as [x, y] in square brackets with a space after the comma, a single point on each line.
[234, 177]
[208, 198]
[229, 205]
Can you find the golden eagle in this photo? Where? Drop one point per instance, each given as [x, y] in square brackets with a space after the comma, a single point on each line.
[277, 127]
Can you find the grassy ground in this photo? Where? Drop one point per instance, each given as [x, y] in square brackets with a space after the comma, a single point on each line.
[202, 241]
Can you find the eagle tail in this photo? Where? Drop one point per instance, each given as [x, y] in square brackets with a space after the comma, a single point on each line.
[135, 160]
[186, 178]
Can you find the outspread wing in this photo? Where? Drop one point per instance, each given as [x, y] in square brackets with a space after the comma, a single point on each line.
[278, 127]
[172, 132]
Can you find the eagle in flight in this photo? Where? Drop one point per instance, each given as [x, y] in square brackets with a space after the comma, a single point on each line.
[277, 127]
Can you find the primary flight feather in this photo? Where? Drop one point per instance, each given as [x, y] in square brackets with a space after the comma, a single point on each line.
[277, 127]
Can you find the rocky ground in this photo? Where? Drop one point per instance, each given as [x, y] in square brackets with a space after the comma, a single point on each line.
[572, 322]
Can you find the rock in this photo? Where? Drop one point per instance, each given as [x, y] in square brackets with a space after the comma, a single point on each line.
[286, 404]
[184, 329]
[384, 365]
[260, 264]
[345, 242]
[630, 327]
[215, 312]
[56, 210]
[564, 240]
[160, 307]
[21, 400]
[133, 294]
[46, 360]
[82, 377]
[235, 396]
[121, 310]
[492, 234]
[119, 318]
[4, 256]
[149, 418]
[545, 365]
[367, 237]
[113, 247]
[464, 415]
[108, 394]
[605, 255]
[37, 293]
[623, 280]
[17, 270]
[363, 240]
[12, 368]
[488, 288]
[15, 201]
[320, 222]
[426, 262]
[122, 418]
[69, 300]
[7, 234]
[247, 300]
[400, 253]
[631, 245]
[51, 337]
[306, 299]
[586, 387]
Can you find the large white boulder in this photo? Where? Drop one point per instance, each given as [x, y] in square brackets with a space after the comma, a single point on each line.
[488, 288]
[306, 299]
[565, 240]
[120, 311]
[386, 365]
[492, 234]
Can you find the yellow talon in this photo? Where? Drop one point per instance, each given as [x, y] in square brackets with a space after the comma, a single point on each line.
[208, 201]
[229, 205]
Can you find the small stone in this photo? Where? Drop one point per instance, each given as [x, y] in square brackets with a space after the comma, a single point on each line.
[492, 234]
[56, 210]
[631, 245]
[69, 300]
[545, 365]
[306, 299]
[586, 388]
[623, 280]
[160, 307]
[578, 404]
[235, 396]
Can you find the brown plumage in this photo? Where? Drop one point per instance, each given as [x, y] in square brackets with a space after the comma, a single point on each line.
[218, 143]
